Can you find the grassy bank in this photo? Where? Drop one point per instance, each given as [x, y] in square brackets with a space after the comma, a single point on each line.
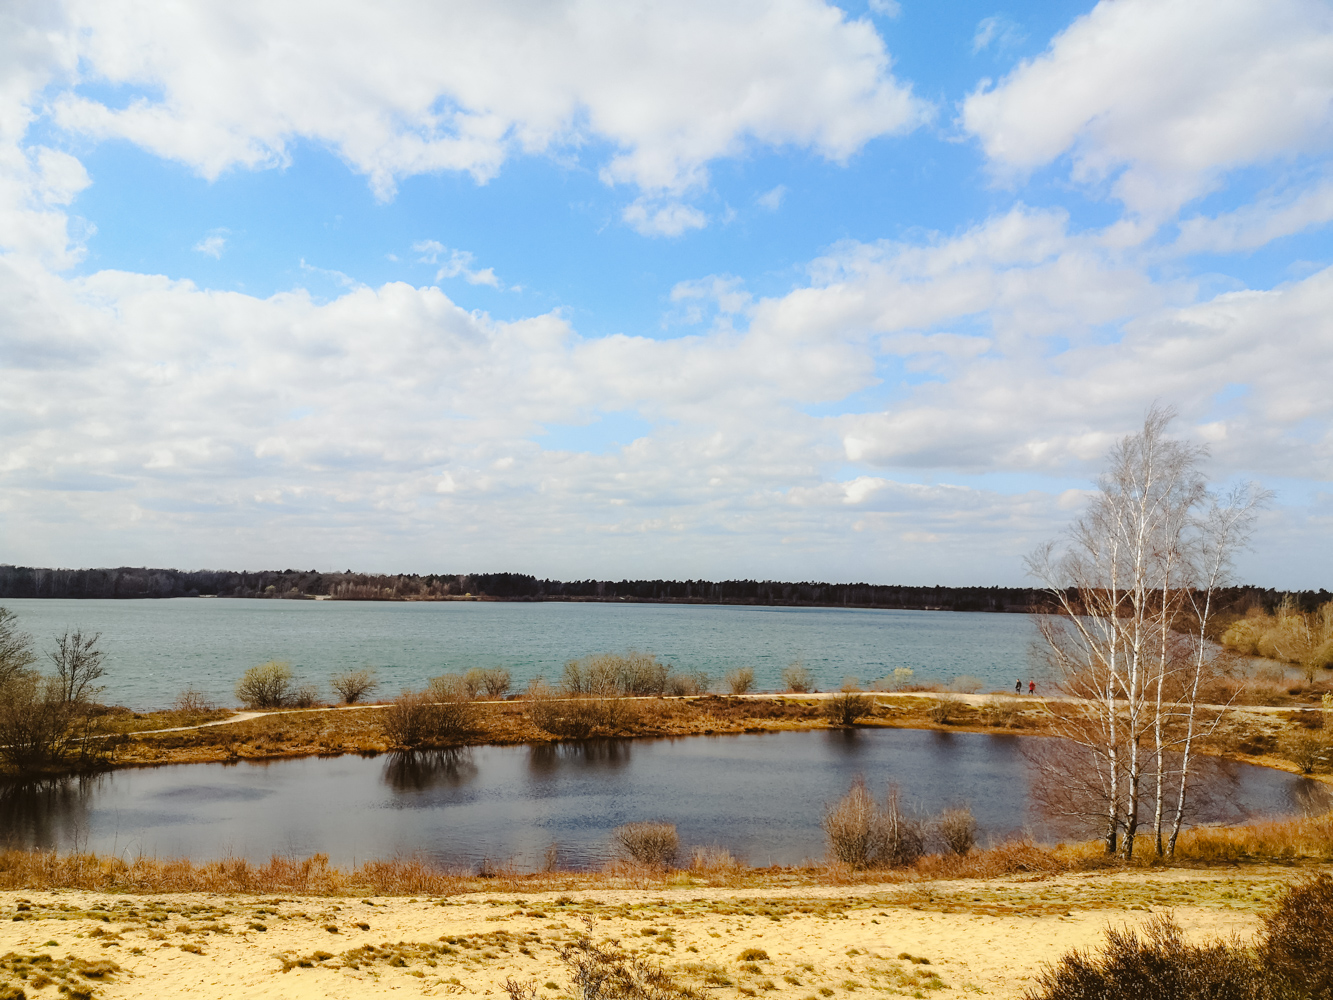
[1304, 842]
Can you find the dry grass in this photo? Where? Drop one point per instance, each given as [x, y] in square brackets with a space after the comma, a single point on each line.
[1282, 841]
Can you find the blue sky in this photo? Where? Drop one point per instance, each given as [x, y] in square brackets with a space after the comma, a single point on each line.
[731, 289]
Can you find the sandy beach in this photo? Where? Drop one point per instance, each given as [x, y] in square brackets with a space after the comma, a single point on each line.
[941, 938]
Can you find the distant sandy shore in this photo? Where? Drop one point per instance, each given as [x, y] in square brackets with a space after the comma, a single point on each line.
[822, 942]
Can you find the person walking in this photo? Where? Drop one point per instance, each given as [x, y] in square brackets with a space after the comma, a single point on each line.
[1018, 687]
[1032, 687]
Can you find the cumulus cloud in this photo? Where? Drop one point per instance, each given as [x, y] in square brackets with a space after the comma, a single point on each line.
[1161, 97]
[234, 84]
[393, 424]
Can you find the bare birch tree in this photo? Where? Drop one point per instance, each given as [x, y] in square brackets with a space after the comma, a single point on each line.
[1136, 572]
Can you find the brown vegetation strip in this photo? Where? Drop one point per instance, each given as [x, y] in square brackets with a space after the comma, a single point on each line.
[1287, 842]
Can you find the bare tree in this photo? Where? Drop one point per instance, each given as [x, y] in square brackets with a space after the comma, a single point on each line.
[1133, 582]
[15, 648]
[78, 664]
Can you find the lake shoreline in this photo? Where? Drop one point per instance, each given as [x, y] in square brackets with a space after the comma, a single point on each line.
[223, 736]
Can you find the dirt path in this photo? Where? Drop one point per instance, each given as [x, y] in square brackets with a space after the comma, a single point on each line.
[970, 699]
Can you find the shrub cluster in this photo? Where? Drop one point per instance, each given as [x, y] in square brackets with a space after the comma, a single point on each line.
[740, 680]
[1294, 959]
[580, 716]
[441, 714]
[493, 682]
[845, 707]
[50, 720]
[652, 844]
[863, 834]
[353, 685]
[797, 679]
[631, 674]
[268, 685]
[1289, 635]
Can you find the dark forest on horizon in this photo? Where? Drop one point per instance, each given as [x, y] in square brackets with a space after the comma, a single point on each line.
[128, 583]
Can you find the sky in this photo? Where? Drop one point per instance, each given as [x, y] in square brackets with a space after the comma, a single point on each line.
[723, 289]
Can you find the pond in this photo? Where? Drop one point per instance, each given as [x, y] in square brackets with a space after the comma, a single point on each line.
[760, 795]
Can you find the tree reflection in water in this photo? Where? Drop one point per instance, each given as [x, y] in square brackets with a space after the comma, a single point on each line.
[46, 814]
[426, 769]
[545, 759]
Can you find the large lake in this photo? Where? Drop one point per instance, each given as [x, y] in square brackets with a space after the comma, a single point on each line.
[156, 648]
[761, 796]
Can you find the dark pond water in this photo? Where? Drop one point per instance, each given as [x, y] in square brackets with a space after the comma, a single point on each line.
[760, 795]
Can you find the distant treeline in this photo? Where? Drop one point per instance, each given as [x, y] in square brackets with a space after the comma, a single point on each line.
[130, 582]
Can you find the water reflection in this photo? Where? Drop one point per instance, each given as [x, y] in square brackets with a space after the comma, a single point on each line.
[845, 741]
[1066, 789]
[424, 770]
[547, 759]
[37, 814]
[758, 795]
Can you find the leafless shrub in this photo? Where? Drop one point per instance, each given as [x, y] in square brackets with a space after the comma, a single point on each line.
[268, 685]
[631, 673]
[306, 696]
[712, 858]
[605, 972]
[944, 710]
[850, 684]
[863, 835]
[439, 715]
[580, 717]
[652, 844]
[797, 678]
[958, 829]
[1307, 751]
[353, 685]
[845, 708]
[192, 701]
[740, 680]
[966, 684]
[493, 682]
[521, 991]
[690, 683]
[854, 828]
[1001, 714]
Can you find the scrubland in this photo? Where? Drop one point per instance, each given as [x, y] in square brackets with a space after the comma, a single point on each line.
[303, 928]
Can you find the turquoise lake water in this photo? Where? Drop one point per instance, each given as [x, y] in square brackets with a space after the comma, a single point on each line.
[157, 648]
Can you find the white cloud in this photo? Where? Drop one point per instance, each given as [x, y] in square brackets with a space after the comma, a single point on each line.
[772, 199]
[379, 425]
[213, 244]
[455, 264]
[670, 219]
[1160, 97]
[1259, 223]
[997, 30]
[668, 87]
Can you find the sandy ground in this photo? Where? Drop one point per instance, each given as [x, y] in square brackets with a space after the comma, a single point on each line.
[820, 942]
